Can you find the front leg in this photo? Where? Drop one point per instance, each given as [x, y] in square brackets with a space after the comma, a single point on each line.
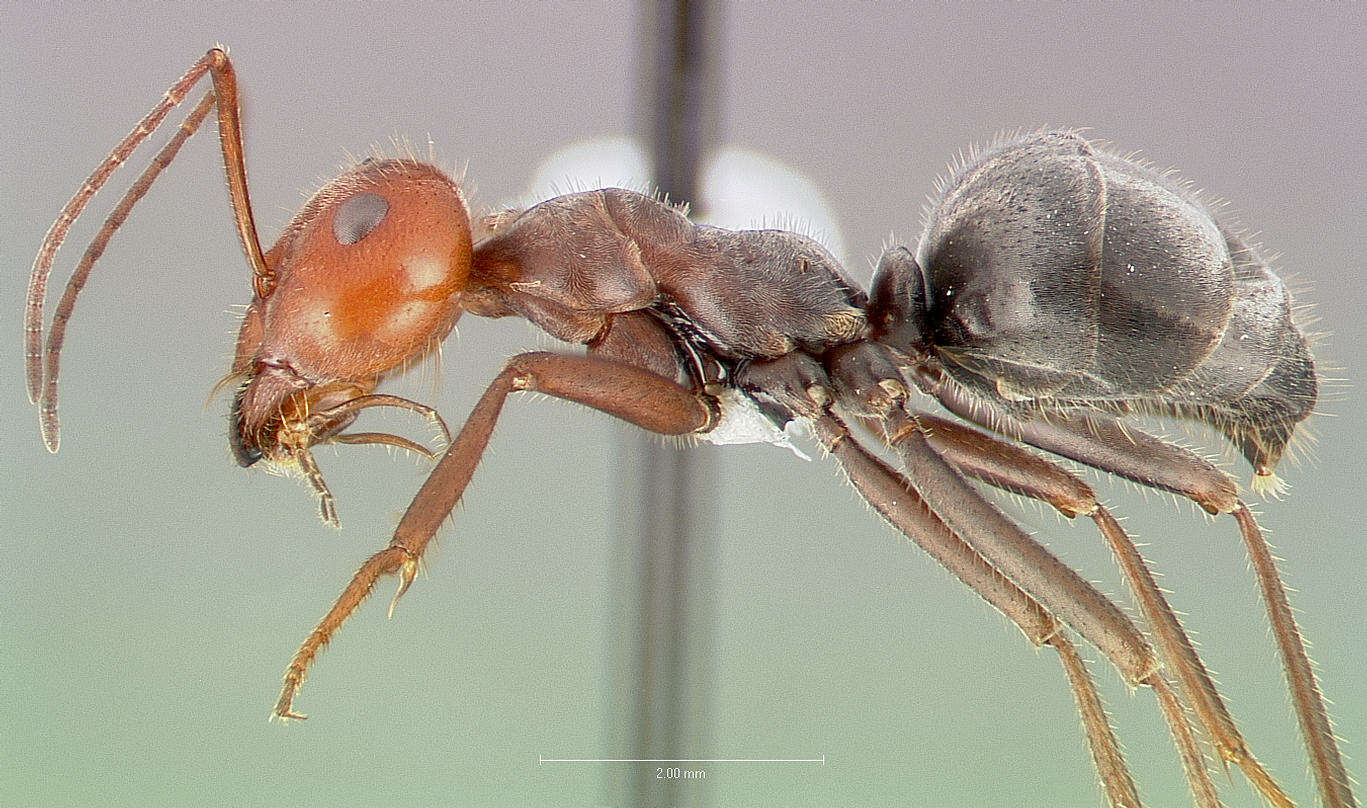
[630, 393]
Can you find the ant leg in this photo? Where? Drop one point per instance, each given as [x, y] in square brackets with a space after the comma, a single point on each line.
[1022, 559]
[857, 371]
[638, 338]
[867, 383]
[898, 501]
[1336, 789]
[1014, 468]
[1037, 570]
[861, 382]
[1103, 443]
[630, 393]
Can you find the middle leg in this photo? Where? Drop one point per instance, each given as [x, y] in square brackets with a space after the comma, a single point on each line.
[802, 386]
[898, 501]
[1104, 443]
[1013, 468]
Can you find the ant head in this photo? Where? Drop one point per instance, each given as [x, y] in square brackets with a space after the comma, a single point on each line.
[367, 277]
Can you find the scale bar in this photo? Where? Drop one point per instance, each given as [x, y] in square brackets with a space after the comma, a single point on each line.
[543, 760]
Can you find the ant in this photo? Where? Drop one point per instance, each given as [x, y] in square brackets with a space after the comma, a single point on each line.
[1056, 290]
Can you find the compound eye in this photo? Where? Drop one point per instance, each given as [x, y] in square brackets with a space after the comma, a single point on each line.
[358, 216]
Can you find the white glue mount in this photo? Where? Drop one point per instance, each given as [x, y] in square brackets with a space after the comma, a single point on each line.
[742, 422]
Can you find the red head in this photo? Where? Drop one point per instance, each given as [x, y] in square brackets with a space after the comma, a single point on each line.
[367, 277]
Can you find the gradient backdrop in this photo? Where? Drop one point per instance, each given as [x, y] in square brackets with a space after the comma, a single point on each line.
[151, 592]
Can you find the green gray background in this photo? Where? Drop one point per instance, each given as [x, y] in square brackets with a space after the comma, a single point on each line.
[152, 591]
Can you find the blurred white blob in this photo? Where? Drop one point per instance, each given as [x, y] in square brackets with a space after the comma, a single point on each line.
[742, 422]
[744, 188]
[741, 188]
[604, 162]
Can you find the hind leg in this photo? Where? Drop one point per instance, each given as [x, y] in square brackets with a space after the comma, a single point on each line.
[896, 498]
[1011, 467]
[990, 558]
[1104, 443]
